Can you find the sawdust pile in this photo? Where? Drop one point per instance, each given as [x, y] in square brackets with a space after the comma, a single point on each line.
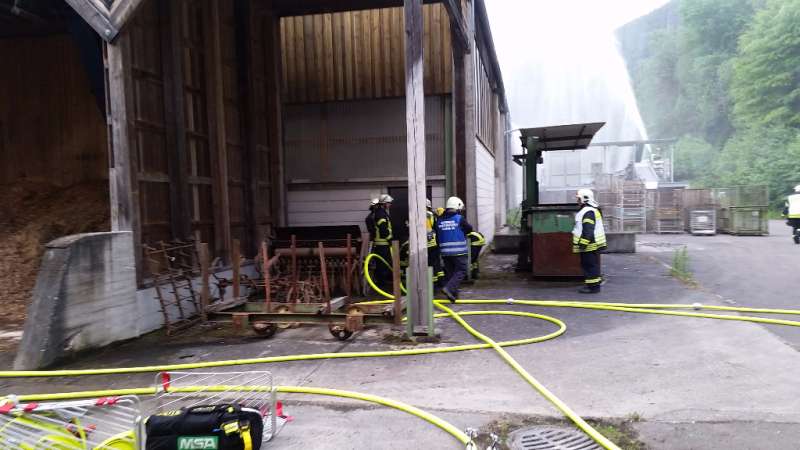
[31, 215]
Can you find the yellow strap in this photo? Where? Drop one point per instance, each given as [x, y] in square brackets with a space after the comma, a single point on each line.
[588, 221]
[247, 440]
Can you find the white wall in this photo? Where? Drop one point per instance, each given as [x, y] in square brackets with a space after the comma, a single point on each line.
[346, 205]
[485, 179]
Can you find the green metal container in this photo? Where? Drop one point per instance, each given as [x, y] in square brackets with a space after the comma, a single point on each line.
[551, 241]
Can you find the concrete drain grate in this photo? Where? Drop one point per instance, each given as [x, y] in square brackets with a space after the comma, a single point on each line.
[551, 438]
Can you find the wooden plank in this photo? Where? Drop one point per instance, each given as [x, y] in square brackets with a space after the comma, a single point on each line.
[349, 56]
[378, 63]
[358, 56]
[300, 55]
[175, 119]
[386, 52]
[339, 55]
[399, 52]
[274, 112]
[289, 58]
[328, 41]
[415, 125]
[311, 87]
[222, 212]
[205, 289]
[236, 265]
[318, 63]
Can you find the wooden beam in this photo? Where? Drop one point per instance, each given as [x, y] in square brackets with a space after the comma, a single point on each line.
[222, 207]
[415, 139]
[95, 13]
[457, 25]
[123, 184]
[122, 11]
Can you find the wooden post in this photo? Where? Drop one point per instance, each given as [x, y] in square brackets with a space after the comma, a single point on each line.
[415, 137]
[205, 290]
[236, 264]
[398, 294]
[348, 281]
[470, 196]
[267, 277]
[323, 268]
[123, 182]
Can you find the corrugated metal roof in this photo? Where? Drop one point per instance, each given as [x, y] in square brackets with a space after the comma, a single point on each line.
[561, 137]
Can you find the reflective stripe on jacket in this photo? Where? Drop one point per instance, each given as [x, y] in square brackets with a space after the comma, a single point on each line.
[452, 240]
[589, 235]
[383, 227]
[476, 239]
[793, 202]
[430, 228]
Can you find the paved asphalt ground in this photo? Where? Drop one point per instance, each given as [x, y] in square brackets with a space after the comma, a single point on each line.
[695, 383]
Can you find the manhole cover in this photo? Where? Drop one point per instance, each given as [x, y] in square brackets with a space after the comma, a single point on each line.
[551, 438]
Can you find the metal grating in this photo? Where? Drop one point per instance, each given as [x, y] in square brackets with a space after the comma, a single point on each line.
[551, 438]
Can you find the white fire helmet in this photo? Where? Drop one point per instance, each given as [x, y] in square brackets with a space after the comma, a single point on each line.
[428, 203]
[374, 202]
[586, 196]
[797, 188]
[454, 203]
[386, 198]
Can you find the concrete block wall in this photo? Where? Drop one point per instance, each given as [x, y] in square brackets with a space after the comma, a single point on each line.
[84, 298]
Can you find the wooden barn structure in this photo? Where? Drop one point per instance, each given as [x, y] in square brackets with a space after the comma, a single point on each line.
[222, 119]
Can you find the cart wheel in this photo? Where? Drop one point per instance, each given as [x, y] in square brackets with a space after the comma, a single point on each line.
[265, 329]
[339, 332]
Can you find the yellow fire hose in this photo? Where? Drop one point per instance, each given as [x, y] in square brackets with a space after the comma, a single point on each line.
[661, 309]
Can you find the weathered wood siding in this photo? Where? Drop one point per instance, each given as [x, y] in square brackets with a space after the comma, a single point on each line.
[357, 140]
[202, 129]
[51, 128]
[149, 137]
[360, 55]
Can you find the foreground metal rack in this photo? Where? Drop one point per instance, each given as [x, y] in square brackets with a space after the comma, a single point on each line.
[108, 423]
[254, 390]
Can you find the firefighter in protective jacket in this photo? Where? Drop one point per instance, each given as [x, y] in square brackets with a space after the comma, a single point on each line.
[588, 239]
[792, 213]
[451, 234]
[383, 241]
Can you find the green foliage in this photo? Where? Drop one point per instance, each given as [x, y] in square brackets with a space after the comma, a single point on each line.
[766, 75]
[693, 158]
[680, 266]
[726, 82]
[514, 218]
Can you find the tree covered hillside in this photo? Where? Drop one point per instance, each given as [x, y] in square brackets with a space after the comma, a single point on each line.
[723, 76]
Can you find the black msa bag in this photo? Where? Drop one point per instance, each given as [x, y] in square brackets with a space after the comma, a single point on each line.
[219, 427]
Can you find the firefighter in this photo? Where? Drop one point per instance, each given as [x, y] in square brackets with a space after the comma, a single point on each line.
[383, 240]
[370, 220]
[477, 242]
[451, 234]
[588, 239]
[792, 213]
[434, 257]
